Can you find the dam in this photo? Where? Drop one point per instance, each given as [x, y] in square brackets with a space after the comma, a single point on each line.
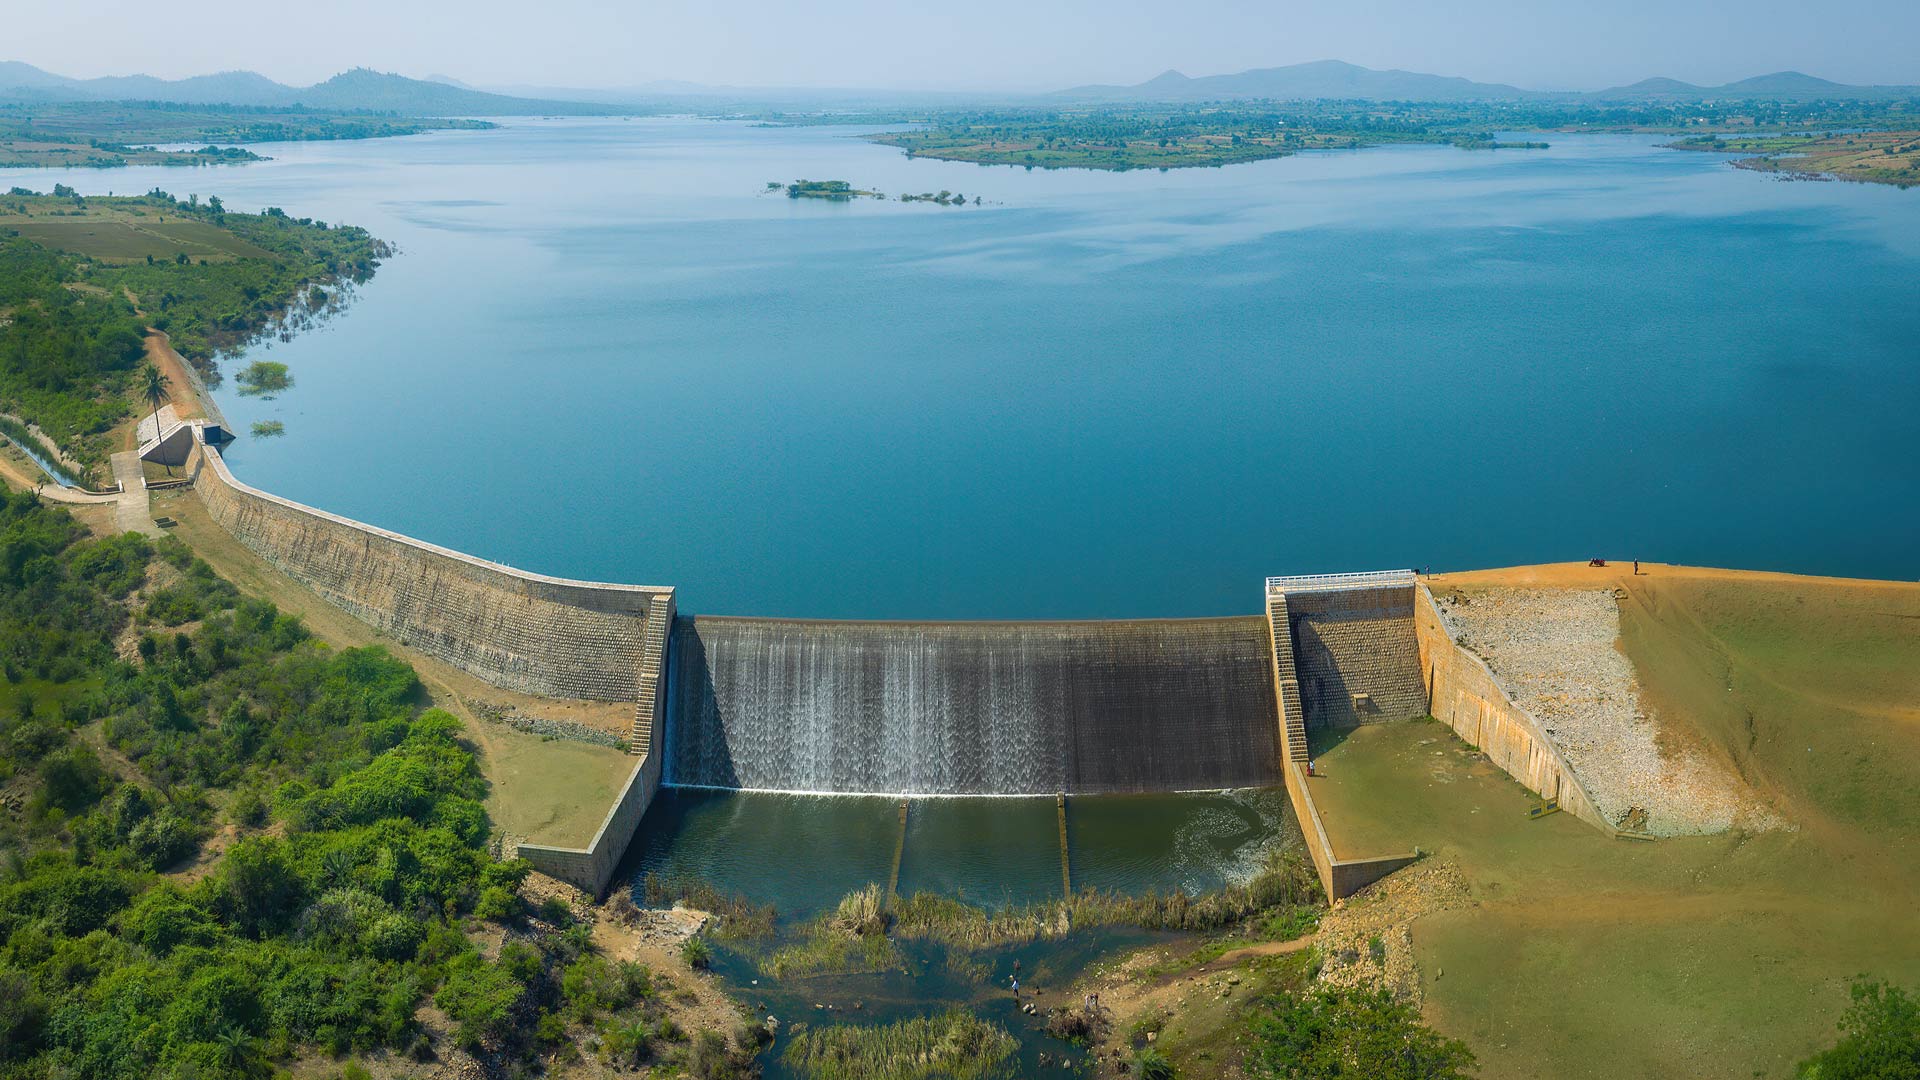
[1016, 708]
[918, 709]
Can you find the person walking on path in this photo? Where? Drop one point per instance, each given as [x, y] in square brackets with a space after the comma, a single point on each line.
[1636, 568]
[1015, 979]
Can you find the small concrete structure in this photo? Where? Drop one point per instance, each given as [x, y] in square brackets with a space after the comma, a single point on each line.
[1356, 633]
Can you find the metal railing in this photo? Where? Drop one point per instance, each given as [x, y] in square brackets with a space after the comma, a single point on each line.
[1366, 579]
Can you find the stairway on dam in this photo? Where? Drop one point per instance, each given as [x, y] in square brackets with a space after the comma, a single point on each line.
[1355, 633]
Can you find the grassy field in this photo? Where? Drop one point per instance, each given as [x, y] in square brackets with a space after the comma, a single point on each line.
[1880, 157]
[1724, 956]
[551, 791]
[111, 234]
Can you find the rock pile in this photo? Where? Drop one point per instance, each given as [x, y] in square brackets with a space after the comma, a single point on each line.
[1556, 651]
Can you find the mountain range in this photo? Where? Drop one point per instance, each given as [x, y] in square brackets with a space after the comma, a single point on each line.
[359, 89]
[442, 95]
[1337, 80]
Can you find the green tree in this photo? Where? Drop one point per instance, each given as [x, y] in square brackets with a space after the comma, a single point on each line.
[153, 388]
[1880, 1038]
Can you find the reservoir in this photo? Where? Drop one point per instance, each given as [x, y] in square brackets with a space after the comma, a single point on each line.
[606, 351]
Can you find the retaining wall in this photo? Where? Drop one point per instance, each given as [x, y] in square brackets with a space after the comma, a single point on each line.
[591, 868]
[1339, 878]
[1356, 641]
[1464, 694]
[541, 635]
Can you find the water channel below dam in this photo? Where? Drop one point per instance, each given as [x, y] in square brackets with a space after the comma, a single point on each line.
[802, 853]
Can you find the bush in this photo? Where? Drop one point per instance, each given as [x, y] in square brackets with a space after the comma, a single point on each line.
[497, 902]
[1151, 1064]
[697, 953]
[479, 997]
[1350, 1032]
[1880, 1038]
[556, 911]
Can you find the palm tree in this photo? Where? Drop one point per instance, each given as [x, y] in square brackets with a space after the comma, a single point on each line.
[153, 387]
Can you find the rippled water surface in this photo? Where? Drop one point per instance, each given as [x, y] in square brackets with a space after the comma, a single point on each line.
[802, 853]
[606, 352]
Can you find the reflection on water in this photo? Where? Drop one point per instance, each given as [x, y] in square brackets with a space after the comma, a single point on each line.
[801, 853]
[1098, 394]
[1193, 843]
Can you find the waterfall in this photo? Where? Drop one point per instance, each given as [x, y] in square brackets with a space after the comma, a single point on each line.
[971, 708]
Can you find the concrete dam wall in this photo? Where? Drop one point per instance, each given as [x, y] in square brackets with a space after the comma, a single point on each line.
[527, 632]
[971, 708]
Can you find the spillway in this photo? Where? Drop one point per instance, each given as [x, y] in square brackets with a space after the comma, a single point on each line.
[971, 708]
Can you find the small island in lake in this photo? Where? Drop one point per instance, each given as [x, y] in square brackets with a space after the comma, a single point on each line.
[836, 190]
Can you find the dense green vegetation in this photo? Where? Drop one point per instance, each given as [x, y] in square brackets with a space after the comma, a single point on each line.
[836, 190]
[1332, 1032]
[81, 278]
[153, 717]
[1880, 1038]
[1173, 136]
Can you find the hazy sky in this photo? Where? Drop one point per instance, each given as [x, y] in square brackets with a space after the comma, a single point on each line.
[971, 45]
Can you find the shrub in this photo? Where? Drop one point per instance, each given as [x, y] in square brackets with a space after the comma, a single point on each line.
[1880, 1038]
[628, 1044]
[1346, 1031]
[1151, 1064]
[479, 998]
[697, 953]
[556, 911]
[497, 902]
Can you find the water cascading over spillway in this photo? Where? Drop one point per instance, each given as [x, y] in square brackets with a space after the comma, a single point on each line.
[971, 708]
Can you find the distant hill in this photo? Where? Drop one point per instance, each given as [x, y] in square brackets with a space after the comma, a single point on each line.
[1337, 80]
[1301, 82]
[359, 89]
[1779, 86]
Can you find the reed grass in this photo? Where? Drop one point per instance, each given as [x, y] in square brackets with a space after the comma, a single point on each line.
[828, 950]
[955, 1045]
[1285, 883]
[735, 918]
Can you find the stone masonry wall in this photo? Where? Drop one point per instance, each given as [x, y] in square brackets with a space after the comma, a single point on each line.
[526, 632]
[1356, 641]
[1465, 695]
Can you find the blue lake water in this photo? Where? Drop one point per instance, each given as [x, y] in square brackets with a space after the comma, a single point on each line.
[605, 352]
